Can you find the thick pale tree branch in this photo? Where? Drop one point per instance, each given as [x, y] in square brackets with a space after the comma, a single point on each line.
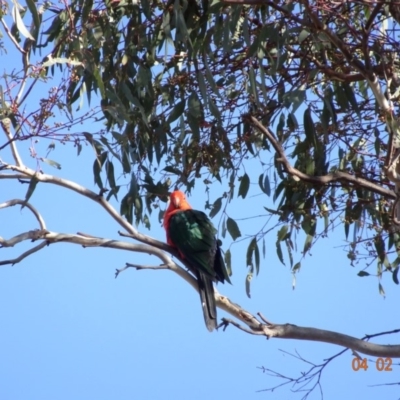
[12, 176]
[289, 331]
[323, 179]
[27, 173]
[54, 237]
[22, 237]
[49, 237]
[254, 326]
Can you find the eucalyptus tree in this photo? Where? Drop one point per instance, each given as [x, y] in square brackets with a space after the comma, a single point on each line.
[185, 92]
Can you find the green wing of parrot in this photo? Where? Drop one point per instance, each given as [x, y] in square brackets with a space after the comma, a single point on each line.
[193, 234]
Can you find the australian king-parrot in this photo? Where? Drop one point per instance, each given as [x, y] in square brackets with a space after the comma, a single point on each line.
[192, 233]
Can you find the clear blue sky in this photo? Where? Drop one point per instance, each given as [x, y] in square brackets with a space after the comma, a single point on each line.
[69, 330]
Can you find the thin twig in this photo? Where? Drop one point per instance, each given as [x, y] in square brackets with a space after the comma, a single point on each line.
[139, 267]
[367, 337]
[373, 15]
[24, 255]
[264, 319]
[154, 267]
[6, 125]
[28, 91]
[227, 321]
[14, 202]
[11, 36]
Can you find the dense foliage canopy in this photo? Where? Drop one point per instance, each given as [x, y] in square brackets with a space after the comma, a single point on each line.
[308, 92]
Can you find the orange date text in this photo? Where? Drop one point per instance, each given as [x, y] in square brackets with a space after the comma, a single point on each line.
[381, 364]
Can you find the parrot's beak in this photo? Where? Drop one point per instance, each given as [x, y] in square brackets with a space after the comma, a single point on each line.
[176, 201]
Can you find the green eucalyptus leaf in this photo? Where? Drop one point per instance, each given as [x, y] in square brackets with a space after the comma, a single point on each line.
[395, 275]
[233, 228]
[177, 111]
[31, 188]
[19, 22]
[249, 278]
[244, 186]
[54, 164]
[228, 262]
[216, 207]
[279, 252]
